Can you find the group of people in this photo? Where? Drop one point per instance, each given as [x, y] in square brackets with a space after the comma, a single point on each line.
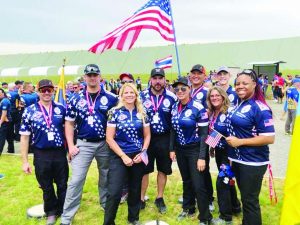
[129, 133]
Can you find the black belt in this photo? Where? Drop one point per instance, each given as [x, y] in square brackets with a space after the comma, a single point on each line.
[91, 139]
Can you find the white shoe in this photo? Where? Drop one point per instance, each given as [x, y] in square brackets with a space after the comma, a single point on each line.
[146, 198]
[211, 207]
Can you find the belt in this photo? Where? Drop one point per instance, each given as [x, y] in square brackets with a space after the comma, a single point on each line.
[191, 145]
[91, 139]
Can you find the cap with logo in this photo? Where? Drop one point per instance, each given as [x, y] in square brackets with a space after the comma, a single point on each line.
[91, 69]
[45, 83]
[181, 80]
[129, 75]
[157, 72]
[224, 69]
[199, 68]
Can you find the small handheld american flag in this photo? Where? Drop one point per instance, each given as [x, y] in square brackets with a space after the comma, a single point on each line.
[144, 157]
[213, 138]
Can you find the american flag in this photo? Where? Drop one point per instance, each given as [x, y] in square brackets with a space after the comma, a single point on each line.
[144, 157]
[155, 15]
[164, 63]
[213, 138]
[268, 122]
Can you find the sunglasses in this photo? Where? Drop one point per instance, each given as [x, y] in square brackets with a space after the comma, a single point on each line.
[183, 89]
[92, 75]
[127, 81]
[250, 73]
[45, 90]
[75, 87]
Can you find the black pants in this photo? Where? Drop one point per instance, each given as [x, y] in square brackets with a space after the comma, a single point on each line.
[3, 135]
[194, 183]
[227, 195]
[16, 119]
[208, 180]
[117, 175]
[249, 180]
[52, 166]
[10, 138]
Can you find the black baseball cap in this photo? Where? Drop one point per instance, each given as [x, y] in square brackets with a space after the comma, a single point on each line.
[199, 68]
[181, 80]
[45, 83]
[91, 69]
[157, 72]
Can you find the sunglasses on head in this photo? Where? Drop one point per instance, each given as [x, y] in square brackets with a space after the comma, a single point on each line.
[126, 81]
[45, 90]
[183, 89]
[250, 73]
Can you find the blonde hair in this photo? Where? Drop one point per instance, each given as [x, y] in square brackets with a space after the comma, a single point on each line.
[138, 104]
[225, 104]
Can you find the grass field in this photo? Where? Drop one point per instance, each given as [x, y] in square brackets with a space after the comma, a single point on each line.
[144, 77]
[20, 191]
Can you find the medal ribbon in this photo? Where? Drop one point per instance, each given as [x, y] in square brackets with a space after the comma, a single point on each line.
[48, 118]
[158, 101]
[196, 91]
[91, 105]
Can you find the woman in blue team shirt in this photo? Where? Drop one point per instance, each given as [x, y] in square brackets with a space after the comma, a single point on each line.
[127, 134]
[4, 118]
[251, 129]
[218, 104]
[190, 124]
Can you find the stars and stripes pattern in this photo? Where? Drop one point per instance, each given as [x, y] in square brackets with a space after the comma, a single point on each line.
[213, 138]
[155, 15]
[164, 63]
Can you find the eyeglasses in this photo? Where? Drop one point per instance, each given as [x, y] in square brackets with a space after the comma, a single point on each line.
[183, 89]
[45, 90]
[250, 73]
[126, 81]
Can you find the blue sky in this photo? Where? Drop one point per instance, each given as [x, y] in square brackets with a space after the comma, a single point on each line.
[36, 25]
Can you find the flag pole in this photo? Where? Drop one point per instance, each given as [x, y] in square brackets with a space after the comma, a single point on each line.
[176, 49]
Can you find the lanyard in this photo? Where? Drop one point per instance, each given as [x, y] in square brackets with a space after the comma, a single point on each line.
[48, 118]
[180, 109]
[158, 103]
[194, 93]
[91, 105]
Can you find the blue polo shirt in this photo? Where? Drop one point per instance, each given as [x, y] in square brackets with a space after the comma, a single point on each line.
[200, 94]
[166, 100]
[219, 124]
[232, 95]
[186, 122]
[249, 119]
[78, 111]
[28, 99]
[292, 96]
[34, 124]
[5, 105]
[129, 128]
[13, 96]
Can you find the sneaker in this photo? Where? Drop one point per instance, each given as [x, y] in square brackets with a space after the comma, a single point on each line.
[211, 207]
[180, 200]
[51, 220]
[143, 205]
[136, 222]
[124, 198]
[219, 221]
[287, 133]
[65, 224]
[186, 213]
[160, 204]
[146, 198]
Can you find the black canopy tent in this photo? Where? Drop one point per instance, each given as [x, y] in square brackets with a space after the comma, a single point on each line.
[268, 68]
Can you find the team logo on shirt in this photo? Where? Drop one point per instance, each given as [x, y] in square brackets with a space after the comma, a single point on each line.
[174, 112]
[104, 100]
[246, 109]
[268, 122]
[199, 95]
[222, 118]
[82, 103]
[122, 117]
[57, 110]
[231, 97]
[147, 104]
[188, 113]
[166, 103]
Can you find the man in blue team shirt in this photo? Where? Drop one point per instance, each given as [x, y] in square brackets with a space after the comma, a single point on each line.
[158, 103]
[87, 112]
[13, 96]
[198, 93]
[28, 96]
[223, 76]
[5, 119]
[43, 123]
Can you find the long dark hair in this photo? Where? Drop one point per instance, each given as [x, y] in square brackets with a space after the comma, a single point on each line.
[258, 93]
[1, 89]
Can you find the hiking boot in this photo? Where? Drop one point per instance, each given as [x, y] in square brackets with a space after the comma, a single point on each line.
[143, 205]
[186, 213]
[219, 221]
[160, 204]
[51, 220]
